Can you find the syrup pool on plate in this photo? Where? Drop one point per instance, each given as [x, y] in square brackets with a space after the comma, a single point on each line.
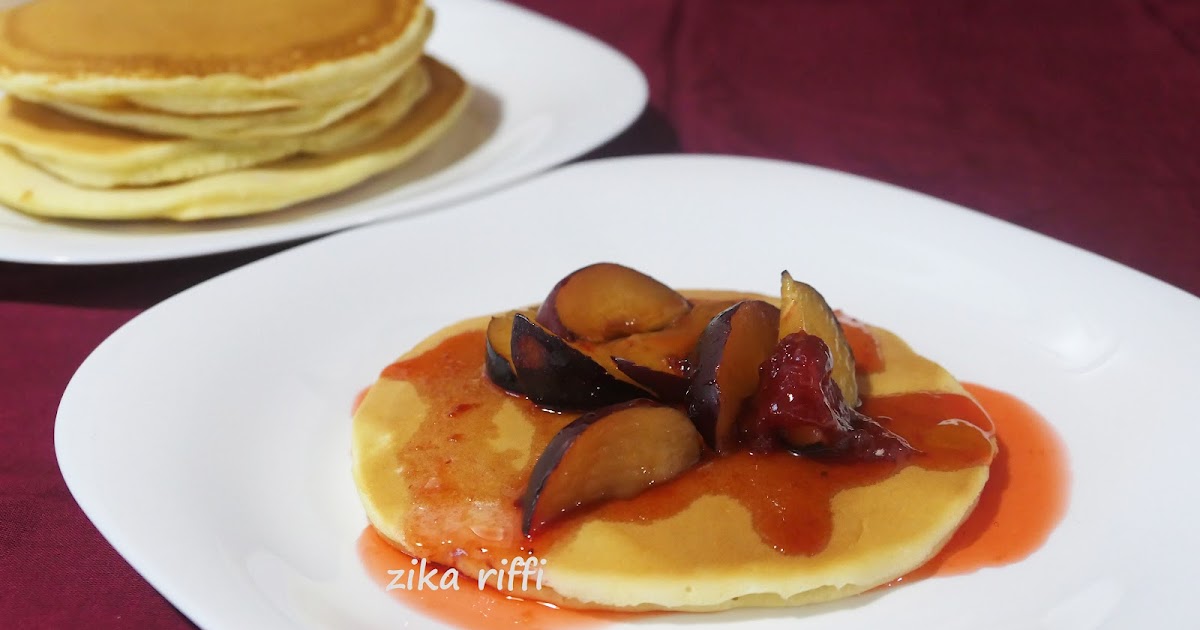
[1024, 499]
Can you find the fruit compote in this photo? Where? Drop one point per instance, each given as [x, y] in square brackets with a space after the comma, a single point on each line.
[798, 406]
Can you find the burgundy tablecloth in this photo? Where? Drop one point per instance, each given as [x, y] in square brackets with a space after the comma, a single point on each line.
[1080, 120]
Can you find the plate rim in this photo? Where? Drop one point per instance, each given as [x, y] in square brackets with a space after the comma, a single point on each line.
[106, 524]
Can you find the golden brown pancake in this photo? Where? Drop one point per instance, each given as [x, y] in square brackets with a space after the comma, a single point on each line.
[442, 456]
[268, 124]
[248, 191]
[90, 154]
[217, 56]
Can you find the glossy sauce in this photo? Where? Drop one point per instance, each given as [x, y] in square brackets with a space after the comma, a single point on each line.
[1021, 504]
[789, 500]
[1023, 501]
[450, 465]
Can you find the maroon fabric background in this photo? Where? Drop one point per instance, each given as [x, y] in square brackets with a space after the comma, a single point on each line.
[1076, 119]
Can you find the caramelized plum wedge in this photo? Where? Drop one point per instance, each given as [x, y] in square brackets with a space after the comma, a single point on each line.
[725, 373]
[498, 364]
[612, 453]
[667, 387]
[557, 375]
[803, 309]
[669, 349]
[798, 406]
[607, 301]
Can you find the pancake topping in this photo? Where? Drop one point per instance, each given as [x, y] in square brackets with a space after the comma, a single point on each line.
[618, 428]
[756, 378]
[799, 406]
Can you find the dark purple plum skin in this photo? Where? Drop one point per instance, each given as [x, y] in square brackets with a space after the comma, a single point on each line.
[557, 448]
[549, 460]
[555, 375]
[499, 370]
[547, 313]
[667, 387]
[704, 397]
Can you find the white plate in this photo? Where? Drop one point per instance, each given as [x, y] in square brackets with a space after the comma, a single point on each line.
[208, 439]
[544, 93]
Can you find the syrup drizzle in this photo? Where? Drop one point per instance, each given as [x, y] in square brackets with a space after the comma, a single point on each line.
[1023, 501]
[1019, 508]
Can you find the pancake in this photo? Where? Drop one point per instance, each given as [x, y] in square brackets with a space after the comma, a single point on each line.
[89, 154]
[266, 124]
[441, 458]
[220, 56]
[248, 191]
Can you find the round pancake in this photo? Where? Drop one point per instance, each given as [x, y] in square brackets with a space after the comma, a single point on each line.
[248, 191]
[100, 156]
[445, 485]
[218, 56]
[265, 124]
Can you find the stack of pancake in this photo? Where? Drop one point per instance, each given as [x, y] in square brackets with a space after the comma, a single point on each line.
[136, 109]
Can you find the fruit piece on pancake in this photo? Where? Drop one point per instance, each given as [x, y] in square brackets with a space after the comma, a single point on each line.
[605, 333]
[615, 452]
[556, 375]
[798, 406]
[605, 301]
[443, 458]
[725, 374]
[666, 386]
[254, 190]
[663, 361]
[804, 309]
[499, 365]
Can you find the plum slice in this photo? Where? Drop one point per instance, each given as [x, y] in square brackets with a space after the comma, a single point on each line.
[803, 309]
[498, 364]
[798, 406]
[661, 360]
[669, 349]
[725, 372]
[557, 375]
[668, 387]
[607, 301]
[612, 453]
